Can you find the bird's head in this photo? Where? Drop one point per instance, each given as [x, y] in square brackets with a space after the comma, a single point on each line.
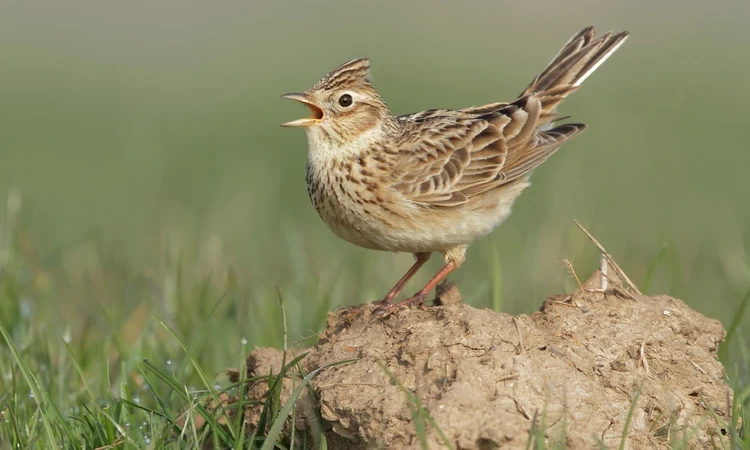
[344, 107]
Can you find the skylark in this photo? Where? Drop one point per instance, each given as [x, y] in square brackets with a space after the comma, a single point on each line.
[433, 181]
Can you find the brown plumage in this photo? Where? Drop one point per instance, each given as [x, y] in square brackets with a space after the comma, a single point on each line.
[436, 180]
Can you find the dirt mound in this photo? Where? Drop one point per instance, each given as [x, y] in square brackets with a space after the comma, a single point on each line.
[488, 379]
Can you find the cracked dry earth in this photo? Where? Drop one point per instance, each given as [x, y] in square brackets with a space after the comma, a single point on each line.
[486, 378]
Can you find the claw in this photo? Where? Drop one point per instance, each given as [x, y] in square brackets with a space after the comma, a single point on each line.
[386, 309]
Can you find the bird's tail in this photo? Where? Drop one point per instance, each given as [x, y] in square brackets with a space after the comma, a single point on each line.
[578, 59]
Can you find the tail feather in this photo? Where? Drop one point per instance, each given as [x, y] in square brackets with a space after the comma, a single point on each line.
[578, 59]
[530, 136]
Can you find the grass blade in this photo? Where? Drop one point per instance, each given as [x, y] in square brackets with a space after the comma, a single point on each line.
[210, 419]
[497, 282]
[724, 348]
[33, 384]
[98, 408]
[628, 419]
[278, 423]
[200, 373]
[423, 414]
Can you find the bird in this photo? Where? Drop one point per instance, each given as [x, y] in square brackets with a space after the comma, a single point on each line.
[437, 180]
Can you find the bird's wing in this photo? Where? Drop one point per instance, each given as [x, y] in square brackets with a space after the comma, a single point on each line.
[446, 157]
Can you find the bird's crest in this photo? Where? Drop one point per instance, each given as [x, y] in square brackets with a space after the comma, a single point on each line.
[352, 73]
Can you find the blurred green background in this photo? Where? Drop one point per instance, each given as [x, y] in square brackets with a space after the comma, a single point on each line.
[146, 173]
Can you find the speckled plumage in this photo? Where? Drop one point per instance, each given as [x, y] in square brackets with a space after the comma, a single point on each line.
[436, 180]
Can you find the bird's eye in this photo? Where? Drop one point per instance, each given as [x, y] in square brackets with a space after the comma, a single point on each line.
[346, 100]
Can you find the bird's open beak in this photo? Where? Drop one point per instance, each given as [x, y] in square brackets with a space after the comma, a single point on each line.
[316, 112]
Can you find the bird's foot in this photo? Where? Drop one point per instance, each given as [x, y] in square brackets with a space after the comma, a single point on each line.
[385, 307]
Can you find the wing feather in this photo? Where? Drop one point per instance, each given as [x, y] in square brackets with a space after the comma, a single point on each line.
[456, 155]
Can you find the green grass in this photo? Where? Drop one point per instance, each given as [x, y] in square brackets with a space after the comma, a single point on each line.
[52, 403]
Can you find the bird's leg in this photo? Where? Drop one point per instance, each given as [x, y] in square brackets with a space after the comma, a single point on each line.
[421, 259]
[419, 297]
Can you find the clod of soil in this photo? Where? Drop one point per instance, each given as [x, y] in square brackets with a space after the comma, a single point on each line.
[574, 369]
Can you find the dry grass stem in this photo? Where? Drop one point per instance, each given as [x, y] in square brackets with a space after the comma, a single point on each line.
[611, 261]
